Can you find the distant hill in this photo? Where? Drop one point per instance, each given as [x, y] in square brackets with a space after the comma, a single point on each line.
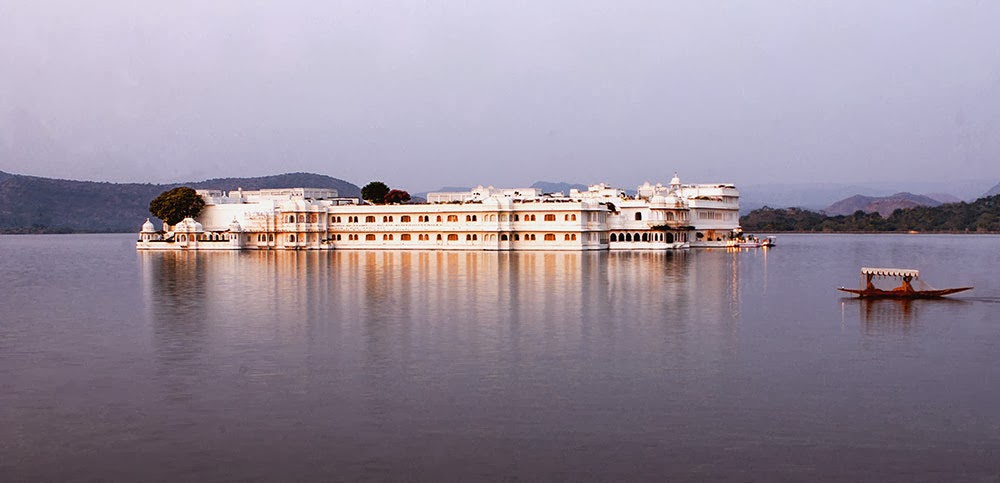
[981, 216]
[558, 186]
[817, 196]
[884, 205]
[943, 197]
[993, 191]
[31, 204]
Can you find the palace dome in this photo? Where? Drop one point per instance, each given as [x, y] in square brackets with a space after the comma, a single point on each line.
[148, 227]
[235, 227]
[188, 225]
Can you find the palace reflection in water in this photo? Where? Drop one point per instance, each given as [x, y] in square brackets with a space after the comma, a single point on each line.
[390, 302]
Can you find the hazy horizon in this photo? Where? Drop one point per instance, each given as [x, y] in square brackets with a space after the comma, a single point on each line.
[435, 94]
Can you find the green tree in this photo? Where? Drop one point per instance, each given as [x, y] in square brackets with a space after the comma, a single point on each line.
[375, 192]
[174, 205]
[396, 196]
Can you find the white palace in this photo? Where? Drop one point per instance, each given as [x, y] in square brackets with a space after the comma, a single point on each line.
[657, 218]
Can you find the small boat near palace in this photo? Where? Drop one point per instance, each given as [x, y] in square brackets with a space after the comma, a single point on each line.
[904, 291]
[754, 242]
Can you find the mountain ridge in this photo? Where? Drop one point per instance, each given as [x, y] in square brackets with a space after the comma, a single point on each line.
[32, 204]
[993, 191]
[884, 205]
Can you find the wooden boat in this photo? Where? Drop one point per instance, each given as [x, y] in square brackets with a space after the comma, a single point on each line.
[754, 242]
[904, 291]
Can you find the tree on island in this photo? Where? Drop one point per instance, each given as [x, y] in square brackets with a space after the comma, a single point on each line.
[174, 205]
[375, 192]
[396, 197]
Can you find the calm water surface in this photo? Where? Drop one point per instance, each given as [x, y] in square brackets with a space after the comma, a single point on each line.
[689, 366]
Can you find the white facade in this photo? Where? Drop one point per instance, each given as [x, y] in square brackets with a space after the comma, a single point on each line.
[657, 218]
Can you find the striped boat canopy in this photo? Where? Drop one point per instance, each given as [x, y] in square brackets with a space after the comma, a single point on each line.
[890, 272]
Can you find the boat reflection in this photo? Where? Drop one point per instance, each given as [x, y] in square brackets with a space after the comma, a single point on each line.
[879, 316]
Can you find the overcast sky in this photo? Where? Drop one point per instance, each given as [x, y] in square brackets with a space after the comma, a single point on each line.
[424, 94]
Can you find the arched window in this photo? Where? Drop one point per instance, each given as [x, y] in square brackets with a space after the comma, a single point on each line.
[369, 219]
[468, 218]
[312, 218]
[385, 219]
[404, 237]
[370, 237]
[550, 237]
[473, 217]
[270, 237]
[291, 218]
[475, 237]
[566, 237]
[638, 216]
[550, 217]
[628, 237]
[635, 237]
[452, 237]
[670, 216]
[503, 237]
[439, 236]
[468, 237]
[404, 219]
[572, 217]
[532, 217]
[614, 237]
[439, 218]
[291, 238]
[302, 218]
[452, 218]
[670, 237]
[516, 217]
[517, 237]
[645, 237]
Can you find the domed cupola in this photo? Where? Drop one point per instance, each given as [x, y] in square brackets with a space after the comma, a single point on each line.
[235, 227]
[189, 225]
[675, 183]
[148, 227]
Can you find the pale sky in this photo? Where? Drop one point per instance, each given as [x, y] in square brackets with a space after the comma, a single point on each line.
[424, 94]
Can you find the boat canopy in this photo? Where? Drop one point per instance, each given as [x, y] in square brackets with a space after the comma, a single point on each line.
[890, 272]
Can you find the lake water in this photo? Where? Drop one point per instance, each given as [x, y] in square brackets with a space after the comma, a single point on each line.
[683, 366]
